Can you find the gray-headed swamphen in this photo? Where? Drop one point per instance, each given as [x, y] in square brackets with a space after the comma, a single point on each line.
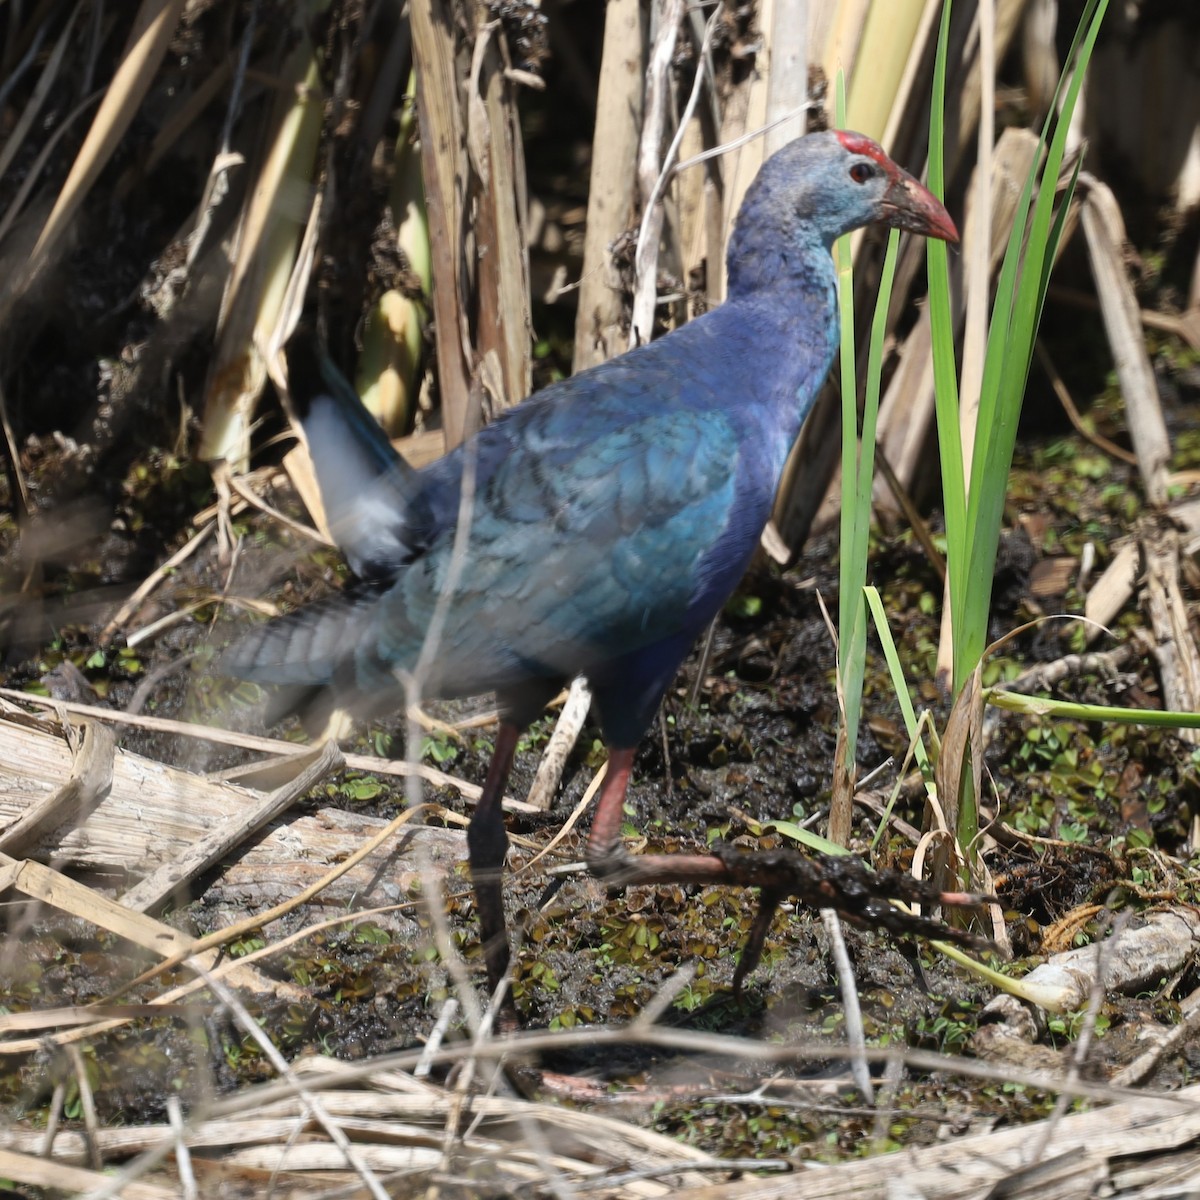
[610, 517]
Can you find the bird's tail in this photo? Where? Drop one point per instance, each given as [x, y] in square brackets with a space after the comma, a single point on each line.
[373, 504]
[326, 646]
[303, 649]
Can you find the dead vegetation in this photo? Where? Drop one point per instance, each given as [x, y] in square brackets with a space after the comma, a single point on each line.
[242, 982]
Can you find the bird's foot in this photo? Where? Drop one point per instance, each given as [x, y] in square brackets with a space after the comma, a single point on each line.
[842, 882]
[617, 869]
[847, 885]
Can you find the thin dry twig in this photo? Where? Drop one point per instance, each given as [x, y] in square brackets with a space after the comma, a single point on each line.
[110, 1017]
[1175, 1039]
[126, 611]
[856, 1038]
[664, 997]
[183, 1157]
[565, 828]
[620, 1179]
[1073, 415]
[742, 139]
[311, 1103]
[21, 197]
[1105, 235]
[53, 1118]
[436, 1036]
[413, 682]
[153, 27]
[87, 1104]
[216, 186]
[251, 497]
[533, 1042]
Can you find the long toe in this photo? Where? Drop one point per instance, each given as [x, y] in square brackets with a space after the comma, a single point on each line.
[768, 902]
[845, 884]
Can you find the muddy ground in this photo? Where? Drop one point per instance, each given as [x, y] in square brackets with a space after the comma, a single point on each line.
[1090, 815]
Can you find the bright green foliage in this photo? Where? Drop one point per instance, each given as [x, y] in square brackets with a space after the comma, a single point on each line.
[858, 466]
[973, 513]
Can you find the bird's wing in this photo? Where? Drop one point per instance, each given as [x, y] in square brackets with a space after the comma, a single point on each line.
[594, 508]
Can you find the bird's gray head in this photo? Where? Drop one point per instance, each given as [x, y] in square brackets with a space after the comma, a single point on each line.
[814, 190]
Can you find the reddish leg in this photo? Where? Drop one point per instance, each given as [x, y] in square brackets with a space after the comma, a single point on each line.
[607, 858]
[487, 847]
[841, 882]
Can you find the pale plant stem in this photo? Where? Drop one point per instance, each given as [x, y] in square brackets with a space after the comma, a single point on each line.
[669, 14]
[855, 1037]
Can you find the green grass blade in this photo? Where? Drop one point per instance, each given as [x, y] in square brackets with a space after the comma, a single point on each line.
[1069, 710]
[852, 567]
[974, 578]
[806, 837]
[856, 510]
[849, 387]
[899, 683]
[945, 369]
[1053, 243]
[1020, 295]
[874, 387]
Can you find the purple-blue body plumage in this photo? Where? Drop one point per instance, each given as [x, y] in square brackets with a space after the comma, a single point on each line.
[596, 528]
[612, 514]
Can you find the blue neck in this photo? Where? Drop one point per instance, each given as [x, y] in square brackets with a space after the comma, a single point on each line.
[764, 253]
[785, 297]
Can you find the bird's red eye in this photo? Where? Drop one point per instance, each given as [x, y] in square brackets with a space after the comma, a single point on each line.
[860, 172]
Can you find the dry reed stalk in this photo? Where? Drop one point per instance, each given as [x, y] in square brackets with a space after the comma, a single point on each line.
[562, 741]
[845, 31]
[442, 155]
[37, 1171]
[160, 885]
[267, 246]
[388, 376]
[692, 191]
[246, 741]
[68, 807]
[611, 189]
[151, 33]
[1105, 232]
[496, 152]
[886, 46]
[652, 170]
[787, 75]
[1088, 1148]
[1174, 642]
[474, 171]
